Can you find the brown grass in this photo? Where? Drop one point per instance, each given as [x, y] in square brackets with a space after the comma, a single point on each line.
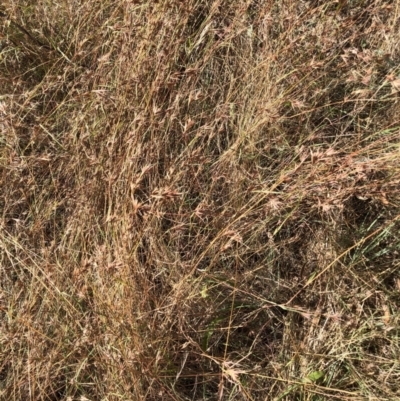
[199, 200]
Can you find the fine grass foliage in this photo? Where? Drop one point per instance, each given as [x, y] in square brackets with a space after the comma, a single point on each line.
[199, 200]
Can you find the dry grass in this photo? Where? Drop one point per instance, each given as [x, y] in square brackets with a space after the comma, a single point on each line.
[199, 200]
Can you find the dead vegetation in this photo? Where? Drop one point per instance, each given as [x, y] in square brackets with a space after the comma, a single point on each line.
[199, 200]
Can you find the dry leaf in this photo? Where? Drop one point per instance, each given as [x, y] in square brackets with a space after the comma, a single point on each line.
[395, 85]
[386, 314]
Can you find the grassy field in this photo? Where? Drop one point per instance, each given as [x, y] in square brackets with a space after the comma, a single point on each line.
[199, 200]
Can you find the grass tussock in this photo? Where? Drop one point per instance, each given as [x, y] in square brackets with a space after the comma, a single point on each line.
[199, 200]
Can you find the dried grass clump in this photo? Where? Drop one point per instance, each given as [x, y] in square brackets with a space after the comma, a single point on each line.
[200, 200]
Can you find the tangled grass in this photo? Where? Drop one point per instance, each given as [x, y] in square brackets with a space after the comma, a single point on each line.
[199, 200]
